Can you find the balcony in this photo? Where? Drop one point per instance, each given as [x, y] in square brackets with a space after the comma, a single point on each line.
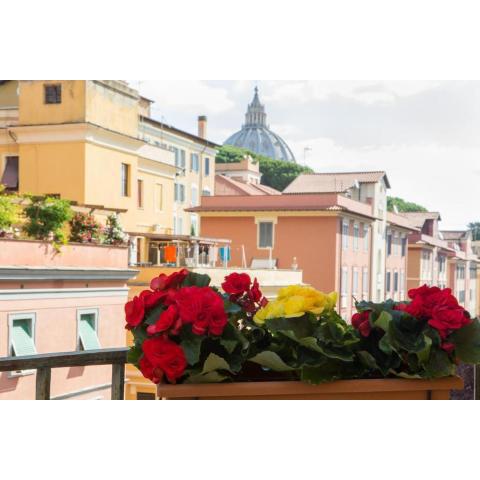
[43, 364]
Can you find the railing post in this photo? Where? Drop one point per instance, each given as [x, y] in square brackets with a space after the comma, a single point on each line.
[476, 382]
[42, 390]
[118, 381]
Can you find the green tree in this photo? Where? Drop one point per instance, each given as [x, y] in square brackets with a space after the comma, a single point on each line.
[474, 227]
[9, 211]
[403, 206]
[47, 216]
[275, 173]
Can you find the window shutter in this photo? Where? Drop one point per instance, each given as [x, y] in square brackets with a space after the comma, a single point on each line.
[87, 334]
[22, 338]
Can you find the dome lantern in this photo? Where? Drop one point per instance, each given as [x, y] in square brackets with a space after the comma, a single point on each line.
[257, 137]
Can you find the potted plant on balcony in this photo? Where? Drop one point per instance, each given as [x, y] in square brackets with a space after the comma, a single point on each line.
[84, 228]
[9, 213]
[197, 342]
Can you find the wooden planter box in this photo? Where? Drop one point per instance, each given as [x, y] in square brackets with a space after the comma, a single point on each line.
[381, 389]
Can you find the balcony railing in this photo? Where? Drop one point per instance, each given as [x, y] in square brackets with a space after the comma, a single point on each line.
[43, 363]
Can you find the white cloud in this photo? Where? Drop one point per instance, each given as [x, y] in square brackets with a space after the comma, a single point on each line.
[425, 134]
[187, 95]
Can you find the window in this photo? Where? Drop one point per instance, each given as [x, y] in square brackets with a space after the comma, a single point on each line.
[207, 166]
[125, 179]
[87, 338]
[178, 226]
[158, 196]
[265, 234]
[388, 281]
[22, 334]
[206, 192]
[145, 396]
[194, 196]
[395, 281]
[426, 265]
[366, 228]
[194, 225]
[140, 193]
[355, 281]
[461, 296]
[345, 233]
[10, 174]
[356, 235]
[396, 243]
[460, 272]
[404, 245]
[389, 243]
[53, 93]
[194, 162]
[344, 287]
[179, 192]
[473, 272]
[180, 160]
[365, 286]
[441, 264]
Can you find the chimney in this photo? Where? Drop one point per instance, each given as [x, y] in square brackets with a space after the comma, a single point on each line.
[202, 126]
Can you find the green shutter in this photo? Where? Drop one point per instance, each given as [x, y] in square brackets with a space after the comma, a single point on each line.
[22, 337]
[88, 335]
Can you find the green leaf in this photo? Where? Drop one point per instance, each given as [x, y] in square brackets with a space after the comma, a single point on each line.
[383, 321]
[210, 377]
[384, 345]
[134, 354]
[139, 334]
[196, 280]
[439, 365]
[423, 355]
[331, 370]
[215, 362]
[467, 342]
[229, 345]
[191, 345]
[405, 332]
[232, 336]
[329, 351]
[300, 326]
[152, 316]
[231, 307]
[368, 360]
[271, 360]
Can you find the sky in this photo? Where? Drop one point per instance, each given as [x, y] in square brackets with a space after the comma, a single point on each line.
[424, 134]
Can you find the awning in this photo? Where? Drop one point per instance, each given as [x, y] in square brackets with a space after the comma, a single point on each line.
[10, 174]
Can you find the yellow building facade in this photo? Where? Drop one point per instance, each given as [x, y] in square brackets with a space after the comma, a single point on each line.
[79, 140]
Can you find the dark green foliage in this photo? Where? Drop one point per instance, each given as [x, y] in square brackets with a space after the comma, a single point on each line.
[403, 206]
[275, 173]
[474, 227]
[46, 216]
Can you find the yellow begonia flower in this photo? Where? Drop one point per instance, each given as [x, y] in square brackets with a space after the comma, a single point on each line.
[295, 301]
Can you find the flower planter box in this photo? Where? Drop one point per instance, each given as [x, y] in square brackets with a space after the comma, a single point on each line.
[376, 389]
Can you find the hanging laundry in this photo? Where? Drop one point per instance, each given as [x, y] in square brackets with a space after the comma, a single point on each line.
[171, 254]
[225, 254]
[213, 254]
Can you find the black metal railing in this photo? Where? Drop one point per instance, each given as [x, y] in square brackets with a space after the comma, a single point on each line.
[43, 364]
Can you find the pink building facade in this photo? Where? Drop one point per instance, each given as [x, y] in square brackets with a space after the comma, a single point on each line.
[61, 302]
